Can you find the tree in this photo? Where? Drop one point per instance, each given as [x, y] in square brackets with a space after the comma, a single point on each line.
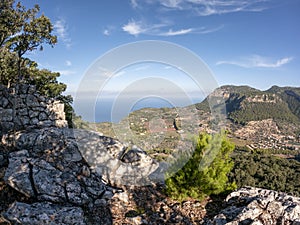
[32, 31]
[10, 67]
[9, 21]
[46, 82]
[206, 171]
[22, 31]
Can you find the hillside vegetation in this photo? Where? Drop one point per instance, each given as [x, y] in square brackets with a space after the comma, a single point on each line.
[279, 104]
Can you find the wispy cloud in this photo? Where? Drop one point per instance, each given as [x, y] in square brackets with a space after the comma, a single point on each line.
[210, 7]
[205, 30]
[177, 32]
[136, 28]
[106, 32]
[134, 3]
[61, 30]
[257, 61]
[68, 63]
[172, 3]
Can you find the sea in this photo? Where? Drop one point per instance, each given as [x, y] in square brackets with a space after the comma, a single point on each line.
[107, 110]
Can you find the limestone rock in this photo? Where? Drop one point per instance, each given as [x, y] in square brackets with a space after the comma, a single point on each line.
[53, 170]
[259, 206]
[44, 213]
[110, 158]
[136, 156]
[18, 173]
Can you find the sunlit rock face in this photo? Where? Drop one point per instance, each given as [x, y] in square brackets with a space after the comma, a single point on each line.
[46, 166]
[118, 163]
[250, 205]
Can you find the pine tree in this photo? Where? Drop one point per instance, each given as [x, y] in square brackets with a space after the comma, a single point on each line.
[206, 171]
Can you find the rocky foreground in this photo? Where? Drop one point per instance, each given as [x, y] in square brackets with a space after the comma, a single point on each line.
[59, 187]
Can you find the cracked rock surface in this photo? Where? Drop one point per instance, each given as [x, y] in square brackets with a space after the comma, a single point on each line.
[258, 206]
[22, 213]
[116, 162]
[46, 166]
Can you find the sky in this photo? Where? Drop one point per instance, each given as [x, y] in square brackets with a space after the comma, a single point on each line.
[242, 42]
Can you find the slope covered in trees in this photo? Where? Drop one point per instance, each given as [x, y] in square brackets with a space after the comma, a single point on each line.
[244, 104]
[261, 169]
[279, 104]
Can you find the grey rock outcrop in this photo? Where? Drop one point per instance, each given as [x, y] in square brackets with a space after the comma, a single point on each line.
[44, 213]
[258, 206]
[117, 163]
[59, 169]
[47, 167]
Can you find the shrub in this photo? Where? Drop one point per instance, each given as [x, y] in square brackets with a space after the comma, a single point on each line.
[205, 173]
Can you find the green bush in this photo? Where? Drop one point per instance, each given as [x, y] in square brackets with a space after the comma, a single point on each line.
[205, 173]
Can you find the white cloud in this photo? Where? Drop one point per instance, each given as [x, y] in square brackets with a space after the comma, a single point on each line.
[205, 30]
[134, 28]
[211, 7]
[61, 31]
[177, 32]
[106, 32]
[257, 61]
[138, 27]
[172, 3]
[68, 63]
[134, 3]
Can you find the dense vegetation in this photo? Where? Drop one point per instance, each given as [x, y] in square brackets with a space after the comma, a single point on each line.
[279, 104]
[261, 110]
[206, 171]
[260, 169]
[21, 31]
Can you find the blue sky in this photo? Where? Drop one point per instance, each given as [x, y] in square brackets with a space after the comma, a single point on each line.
[243, 42]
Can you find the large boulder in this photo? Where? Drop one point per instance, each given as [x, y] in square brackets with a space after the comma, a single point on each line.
[118, 163]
